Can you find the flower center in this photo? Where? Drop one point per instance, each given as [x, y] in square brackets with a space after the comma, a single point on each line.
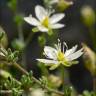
[45, 22]
[60, 56]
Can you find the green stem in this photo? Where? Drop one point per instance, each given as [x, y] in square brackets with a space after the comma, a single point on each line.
[37, 81]
[21, 37]
[29, 39]
[20, 32]
[63, 76]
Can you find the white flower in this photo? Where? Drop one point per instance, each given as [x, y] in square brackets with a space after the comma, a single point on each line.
[44, 21]
[56, 56]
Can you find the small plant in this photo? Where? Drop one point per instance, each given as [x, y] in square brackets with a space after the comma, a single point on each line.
[57, 58]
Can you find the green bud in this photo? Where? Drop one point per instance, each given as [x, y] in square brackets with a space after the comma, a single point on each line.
[4, 73]
[53, 81]
[18, 44]
[64, 4]
[88, 16]
[35, 29]
[90, 59]
[50, 32]
[41, 40]
[3, 38]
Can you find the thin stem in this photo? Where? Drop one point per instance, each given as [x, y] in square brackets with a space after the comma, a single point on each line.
[29, 38]
[20, 68]
[37, 81]
[62, 74]
[21, 37]
[20, 32]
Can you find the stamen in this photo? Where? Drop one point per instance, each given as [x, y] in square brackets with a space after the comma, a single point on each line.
[45, 22]
[64, 44]
[59, 45]
[63, 47]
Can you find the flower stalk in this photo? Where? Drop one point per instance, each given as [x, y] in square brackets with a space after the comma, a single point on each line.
[63, 76]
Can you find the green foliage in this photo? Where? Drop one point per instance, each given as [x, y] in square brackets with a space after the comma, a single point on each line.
[44, 81]
[26, 81]
[67, 90]
[12, 83]
[12, 56]
[87, 93]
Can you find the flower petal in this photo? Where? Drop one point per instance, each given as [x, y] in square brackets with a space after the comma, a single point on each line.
[47, 61]
[56, 26]
[53, 1]
[32, 21]
[70, 51]
[50, 52]
[42, 28]
[40, 12]
[75, 55]
[56, 17]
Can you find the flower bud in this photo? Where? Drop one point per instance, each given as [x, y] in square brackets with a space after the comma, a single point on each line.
[4, 73]
[37, 92]
[88, 15]
[3, 38]
[54, 79]
[18, 44]
[90, 59]
[63, 4]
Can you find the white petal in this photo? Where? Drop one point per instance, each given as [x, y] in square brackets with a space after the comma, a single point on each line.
[75, 55]
[54, 1]
[57, 17]
[70, 51]
[50, 52]
[32, 21]
[43, 29]
[40, 12]
[47, 61]
[56, 26]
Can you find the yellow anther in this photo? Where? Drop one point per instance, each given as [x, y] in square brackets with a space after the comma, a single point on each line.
[45, 22]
